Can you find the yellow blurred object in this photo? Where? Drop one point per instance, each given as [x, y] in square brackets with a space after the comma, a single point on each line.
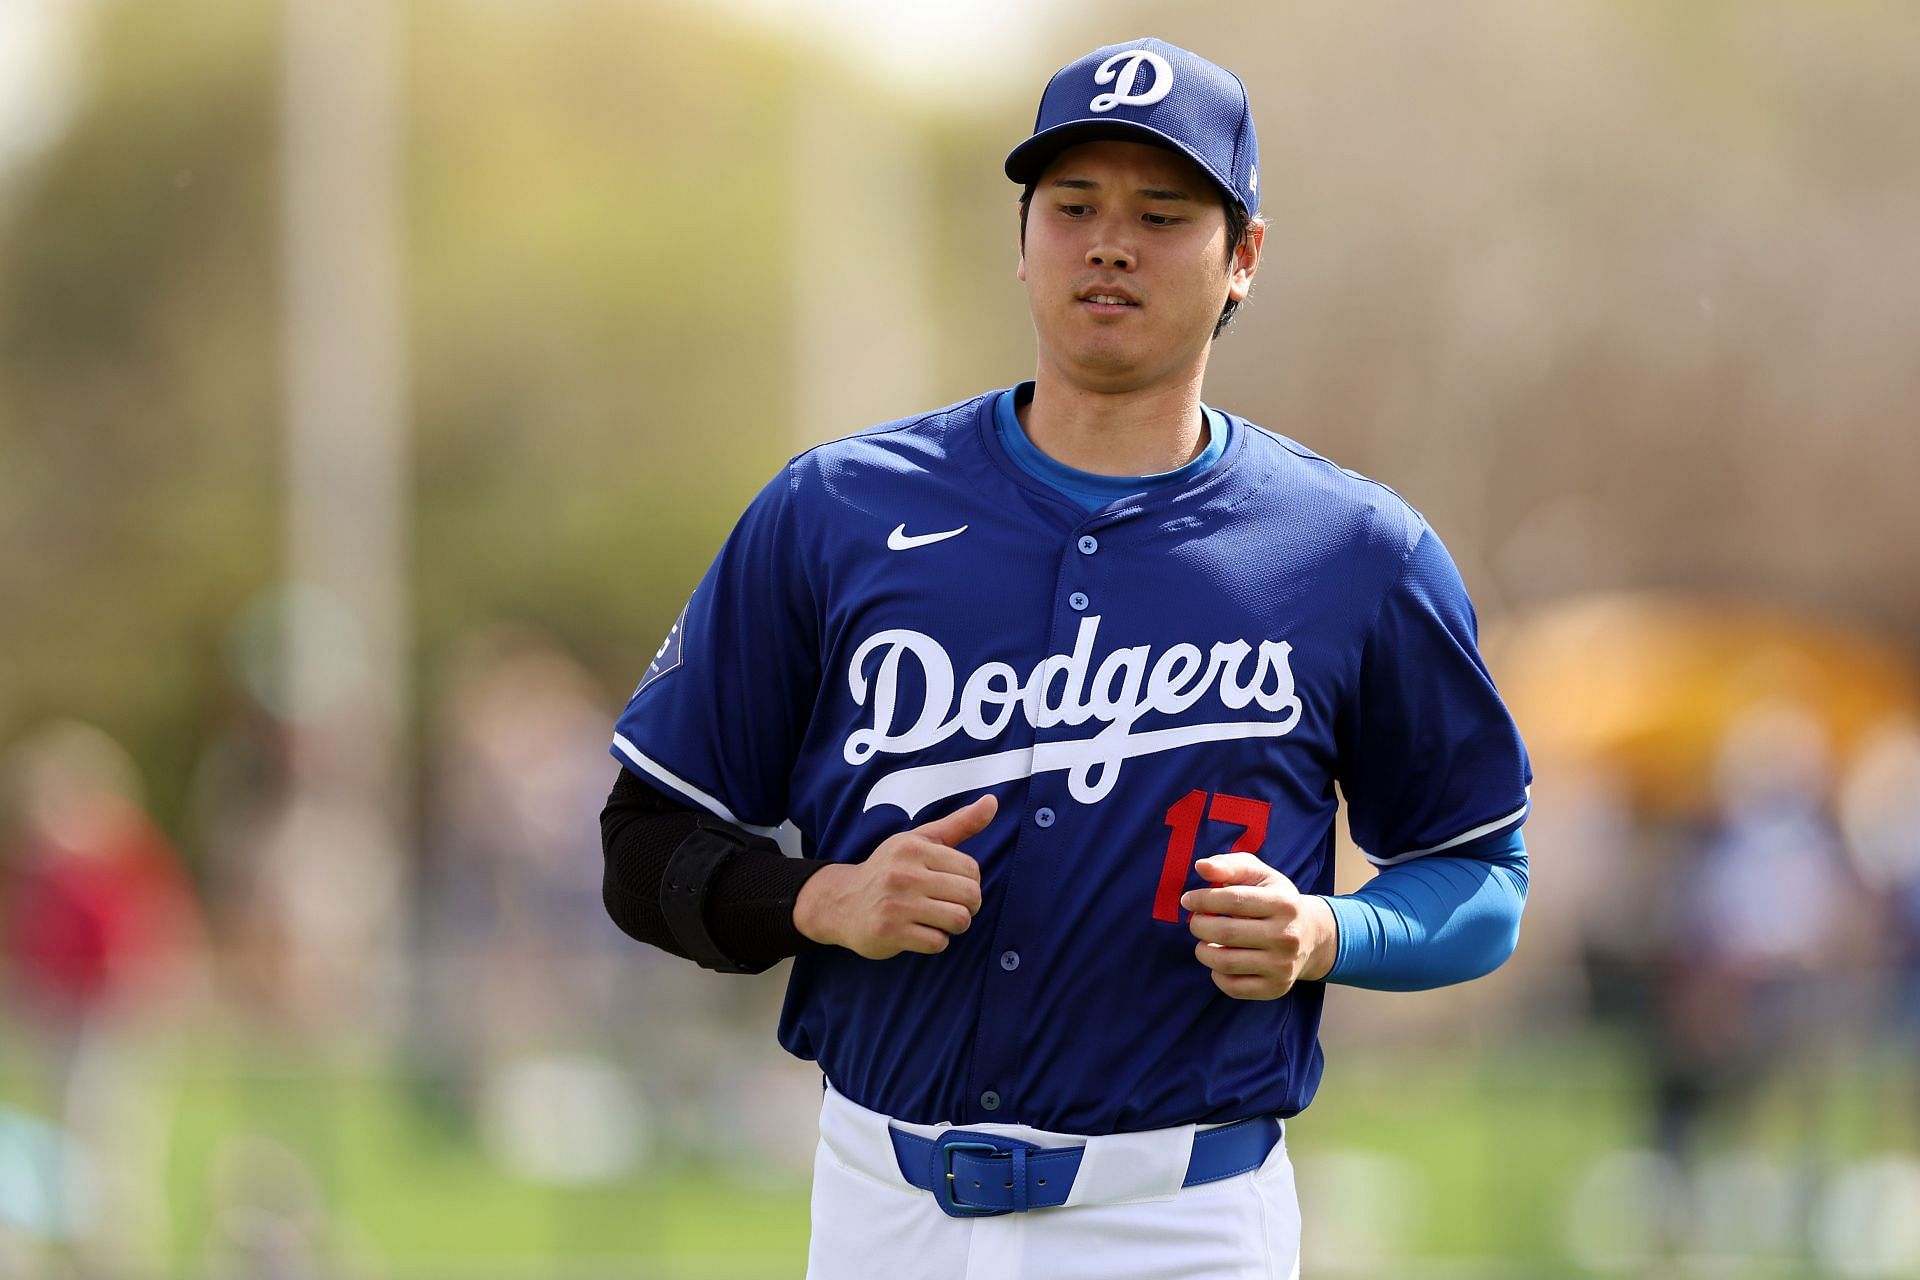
[1648, 685]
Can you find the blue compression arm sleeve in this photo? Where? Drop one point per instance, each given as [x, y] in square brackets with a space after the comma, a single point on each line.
[1432, 921]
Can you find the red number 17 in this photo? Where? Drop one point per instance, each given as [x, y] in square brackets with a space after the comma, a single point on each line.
[1184, 817]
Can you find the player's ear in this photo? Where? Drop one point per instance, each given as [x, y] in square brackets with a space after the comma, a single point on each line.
[1246, 260]
[1020, 272]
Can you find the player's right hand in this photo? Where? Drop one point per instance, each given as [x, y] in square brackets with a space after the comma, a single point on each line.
[913, 892]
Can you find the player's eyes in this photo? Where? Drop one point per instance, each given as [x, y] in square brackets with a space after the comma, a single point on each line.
[1151, 219]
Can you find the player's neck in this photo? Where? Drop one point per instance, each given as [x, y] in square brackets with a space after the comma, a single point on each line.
[1131, 433]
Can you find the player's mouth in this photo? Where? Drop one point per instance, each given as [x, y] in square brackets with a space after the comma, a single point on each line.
[1108, 301]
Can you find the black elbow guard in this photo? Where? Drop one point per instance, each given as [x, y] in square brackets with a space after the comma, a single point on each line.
[683, 889]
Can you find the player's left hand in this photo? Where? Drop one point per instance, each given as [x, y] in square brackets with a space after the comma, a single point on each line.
[1258, 933]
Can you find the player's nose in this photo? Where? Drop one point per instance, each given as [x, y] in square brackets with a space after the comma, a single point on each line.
[1112, 257]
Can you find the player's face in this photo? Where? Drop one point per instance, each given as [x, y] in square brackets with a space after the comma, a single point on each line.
[1126, 265]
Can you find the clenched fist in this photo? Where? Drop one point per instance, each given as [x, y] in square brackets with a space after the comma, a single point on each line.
[911, 894]
[1257, 932]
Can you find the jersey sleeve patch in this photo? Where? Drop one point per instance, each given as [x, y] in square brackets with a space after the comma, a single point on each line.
[667, 657]
[722, 705]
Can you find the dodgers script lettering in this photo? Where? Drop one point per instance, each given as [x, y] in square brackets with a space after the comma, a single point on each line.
[1061, 689]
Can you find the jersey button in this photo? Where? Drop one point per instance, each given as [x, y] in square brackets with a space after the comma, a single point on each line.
[1009, 960]
[1088, 544]
[1043, 817]
[1078, 599]
[990, 1100]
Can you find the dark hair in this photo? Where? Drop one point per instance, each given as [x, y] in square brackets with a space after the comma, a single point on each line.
[1238, 221]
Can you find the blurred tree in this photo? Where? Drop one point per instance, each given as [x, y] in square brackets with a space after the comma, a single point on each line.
[137, 400]
[599, 280]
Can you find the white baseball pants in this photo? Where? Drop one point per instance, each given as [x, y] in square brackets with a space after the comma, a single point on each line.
[1128, 1217]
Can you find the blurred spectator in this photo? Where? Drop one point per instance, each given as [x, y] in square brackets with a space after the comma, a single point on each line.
[100, 934]
[1756, 967]
[303, 881]
[239, 791]
[99, 920]
[1880, 814]
[520, 966]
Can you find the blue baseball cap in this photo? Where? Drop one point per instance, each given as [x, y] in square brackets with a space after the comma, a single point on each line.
[1154, 92]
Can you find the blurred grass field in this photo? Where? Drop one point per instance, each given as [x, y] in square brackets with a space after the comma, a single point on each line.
[1481, 1153]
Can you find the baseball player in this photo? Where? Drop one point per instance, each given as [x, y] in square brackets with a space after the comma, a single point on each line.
[1018, 724]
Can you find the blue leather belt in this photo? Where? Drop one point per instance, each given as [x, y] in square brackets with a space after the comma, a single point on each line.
[979, 1175]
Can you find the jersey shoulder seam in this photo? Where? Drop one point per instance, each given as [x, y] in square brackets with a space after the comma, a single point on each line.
[1399, 576]
[792, 471]
[1419, 528]
[1305, 454]
[806, 574]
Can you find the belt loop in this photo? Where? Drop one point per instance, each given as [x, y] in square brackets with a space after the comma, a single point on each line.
[1020, 1191]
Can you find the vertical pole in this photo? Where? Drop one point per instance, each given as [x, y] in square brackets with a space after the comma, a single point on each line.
[347, 478]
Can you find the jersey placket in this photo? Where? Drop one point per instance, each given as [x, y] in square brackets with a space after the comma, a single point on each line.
[1021, 946]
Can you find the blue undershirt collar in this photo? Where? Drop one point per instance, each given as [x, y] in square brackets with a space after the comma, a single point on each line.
[1084, 487]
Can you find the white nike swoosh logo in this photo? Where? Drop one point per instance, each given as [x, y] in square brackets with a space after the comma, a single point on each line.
[900, 540]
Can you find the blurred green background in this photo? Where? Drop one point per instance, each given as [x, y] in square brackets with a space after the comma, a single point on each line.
[376, 379]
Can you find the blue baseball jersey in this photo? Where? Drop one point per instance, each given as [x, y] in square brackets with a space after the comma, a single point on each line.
[904, 619]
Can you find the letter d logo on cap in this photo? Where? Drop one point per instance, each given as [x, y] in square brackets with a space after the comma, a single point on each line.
[1123, 94]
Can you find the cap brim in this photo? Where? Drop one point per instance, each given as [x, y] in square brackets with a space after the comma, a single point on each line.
[1026, 162]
